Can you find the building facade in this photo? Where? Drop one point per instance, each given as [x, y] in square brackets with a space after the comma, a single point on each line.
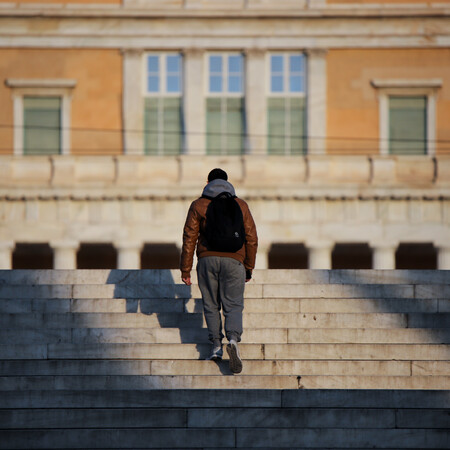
[332, 118]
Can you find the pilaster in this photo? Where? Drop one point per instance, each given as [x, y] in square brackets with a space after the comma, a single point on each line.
[256, 106]
[65, 254]
[194, 101]
[6, 250]
[262, 257]
[316, 101]
[133, 107]
[443, 256]
[383, 256]
[320, 255]
[128, 255]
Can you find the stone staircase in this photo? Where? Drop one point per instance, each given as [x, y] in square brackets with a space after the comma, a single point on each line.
[332, 359]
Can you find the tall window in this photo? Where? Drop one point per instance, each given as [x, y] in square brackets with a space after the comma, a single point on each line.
[408, 125]
[225, 104]
[163, 123]
[41, 125]
[287, 104]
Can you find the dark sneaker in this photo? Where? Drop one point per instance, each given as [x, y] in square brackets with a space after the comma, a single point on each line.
[217, 354]
[235, 358]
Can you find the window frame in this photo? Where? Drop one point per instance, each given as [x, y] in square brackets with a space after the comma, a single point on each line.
[163, 75]
[287, 95]
[387, 88]
[161, 95]
[225, 95]
[22, 88]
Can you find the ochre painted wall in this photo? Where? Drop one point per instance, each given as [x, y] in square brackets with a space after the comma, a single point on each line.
[362, 2]
[352, 103]
[96, 100]
[111, 2]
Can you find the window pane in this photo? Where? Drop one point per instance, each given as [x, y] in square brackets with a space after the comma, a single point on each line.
[235, 63]
[297, 122]
[235, 126]
[153, 63]
[173, 63]
[296, 63]
[42, 125]
[213, 126]
[173, 84]
[153, 84]
[215, 84]
[235, 84]
[215, 64]
[276, 63]
[296, 84]
[276, 126]
[172, 126]
[276, 84]
[151, 126]
[408, 125]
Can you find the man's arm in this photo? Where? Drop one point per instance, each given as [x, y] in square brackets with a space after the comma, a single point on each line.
[190, 236]
[251, 243]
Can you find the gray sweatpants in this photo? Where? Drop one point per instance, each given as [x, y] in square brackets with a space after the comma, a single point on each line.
[222, 283]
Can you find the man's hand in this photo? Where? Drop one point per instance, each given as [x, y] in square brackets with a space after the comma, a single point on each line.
[187, 281]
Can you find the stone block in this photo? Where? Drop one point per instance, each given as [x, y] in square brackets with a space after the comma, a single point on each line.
[383, 170]
[338, 291]
[281, 305]
[415, 169]
[401, 352]
[274, 170]
[430, 368]
[335, 438]
[31, 170]
[35, 336]
[401, 305]
[432, 291]
[418, 418]
[142, 351]
[443, 170]
[116, 438]
[370, 398]
[417, 320]
[96, 418]
[291, 418]
[63, 170]
[24, 351]
[322, 320]
[374, 382]
[42, 291]
[368, 336]
[95, 170]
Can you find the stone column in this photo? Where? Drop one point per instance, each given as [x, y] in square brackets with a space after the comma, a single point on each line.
[65, 254]
[320, 255]
[443, 257]
[6, 251]
[316, 101]
[383, 256]
[194, 102]
[129, 255]
[133, 104]
[262, 256]
[256, 101]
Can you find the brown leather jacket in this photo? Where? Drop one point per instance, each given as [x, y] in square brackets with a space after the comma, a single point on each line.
[193, 235]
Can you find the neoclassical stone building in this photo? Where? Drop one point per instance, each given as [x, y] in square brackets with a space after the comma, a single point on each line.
[332, 118]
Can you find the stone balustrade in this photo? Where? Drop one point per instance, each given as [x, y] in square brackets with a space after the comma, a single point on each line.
[256, 175]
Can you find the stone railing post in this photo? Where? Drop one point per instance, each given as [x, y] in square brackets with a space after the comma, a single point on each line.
[65, 254]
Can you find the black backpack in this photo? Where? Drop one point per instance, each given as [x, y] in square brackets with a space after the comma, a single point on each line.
[224, 228]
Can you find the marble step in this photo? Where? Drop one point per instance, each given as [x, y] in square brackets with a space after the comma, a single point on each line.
[401, 352]
[440, 291]
[230, 417]
[276, 276]
[228, 398]
[243, 381]
[258, 305]
[222, 437]
[198, 367]
[199, 335]
[250, 320]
